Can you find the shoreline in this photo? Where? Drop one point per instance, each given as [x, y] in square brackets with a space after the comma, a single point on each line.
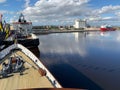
[38, 31]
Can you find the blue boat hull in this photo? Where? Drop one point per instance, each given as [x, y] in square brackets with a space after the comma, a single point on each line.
[2, 37]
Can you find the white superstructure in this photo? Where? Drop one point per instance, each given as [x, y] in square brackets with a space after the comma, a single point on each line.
[22, 26]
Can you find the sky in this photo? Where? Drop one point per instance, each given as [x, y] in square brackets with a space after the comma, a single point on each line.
[62, 12]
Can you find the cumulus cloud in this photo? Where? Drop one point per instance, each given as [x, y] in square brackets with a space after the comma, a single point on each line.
[105, 13]
[2, 1]
[6, 12]
[56, 10]
[117, 14]
[27, 2]
[108, 9]
[3, 11]
[66, 11]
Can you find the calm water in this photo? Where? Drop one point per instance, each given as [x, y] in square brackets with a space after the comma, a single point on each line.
[83, 60]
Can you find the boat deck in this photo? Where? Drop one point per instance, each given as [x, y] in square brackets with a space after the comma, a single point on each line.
[31, 78]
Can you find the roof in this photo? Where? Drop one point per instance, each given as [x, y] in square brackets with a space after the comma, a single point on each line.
[22, 23]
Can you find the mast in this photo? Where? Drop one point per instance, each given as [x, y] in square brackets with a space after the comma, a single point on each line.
[21, 18]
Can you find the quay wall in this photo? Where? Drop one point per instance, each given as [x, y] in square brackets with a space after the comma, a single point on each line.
[39, 31]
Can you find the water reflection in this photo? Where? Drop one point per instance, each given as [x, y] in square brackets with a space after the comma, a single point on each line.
[93, 55]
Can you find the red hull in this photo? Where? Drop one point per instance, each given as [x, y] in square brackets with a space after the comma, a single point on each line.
[107, 29]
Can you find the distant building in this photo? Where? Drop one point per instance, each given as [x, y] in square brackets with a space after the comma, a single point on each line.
[79, 24]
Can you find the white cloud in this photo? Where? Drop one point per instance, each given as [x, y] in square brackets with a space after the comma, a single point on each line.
[66, 11]
[117, 14]
[56, 10]
[96, 13]
[3, 11]
[108, 9]
[27, 2]
[107, 18]
[2, 1]
[106, 13]
[6, 12]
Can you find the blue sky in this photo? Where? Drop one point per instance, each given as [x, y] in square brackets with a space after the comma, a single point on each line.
[62, 12]
[101, 3]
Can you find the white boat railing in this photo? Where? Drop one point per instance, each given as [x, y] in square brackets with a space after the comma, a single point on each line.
[6, 51]
[34, 58]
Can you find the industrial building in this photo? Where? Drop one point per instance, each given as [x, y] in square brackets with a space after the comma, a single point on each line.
[79, 24]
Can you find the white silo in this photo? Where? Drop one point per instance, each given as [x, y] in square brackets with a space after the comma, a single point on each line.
[79, 24]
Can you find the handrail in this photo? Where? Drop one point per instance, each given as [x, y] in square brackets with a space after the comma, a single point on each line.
[6, 51]
[39, 63]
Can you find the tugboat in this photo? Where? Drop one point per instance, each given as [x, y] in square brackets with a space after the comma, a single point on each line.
[20, 69]
[107, 28]
[23, 33]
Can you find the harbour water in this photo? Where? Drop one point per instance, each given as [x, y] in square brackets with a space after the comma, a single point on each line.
[88, 60]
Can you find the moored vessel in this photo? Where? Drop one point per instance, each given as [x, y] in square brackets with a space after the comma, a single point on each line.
[107, 28]
[21, 69]
[22, 30]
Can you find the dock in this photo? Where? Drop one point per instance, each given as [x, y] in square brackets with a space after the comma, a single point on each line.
[39, 31]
